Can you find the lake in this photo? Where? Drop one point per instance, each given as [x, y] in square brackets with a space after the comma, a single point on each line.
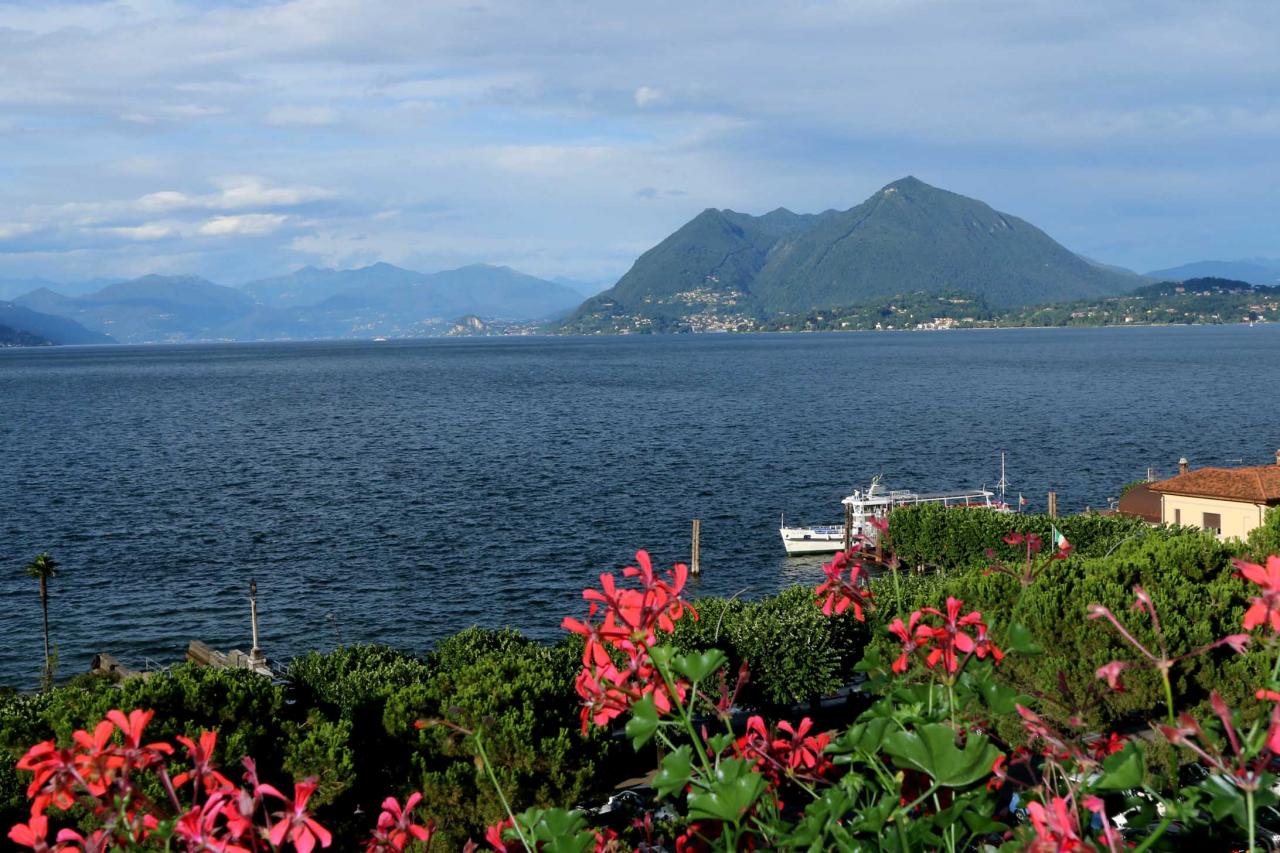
[397, 492]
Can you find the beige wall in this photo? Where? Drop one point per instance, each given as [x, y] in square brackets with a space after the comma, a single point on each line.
[1238, 518]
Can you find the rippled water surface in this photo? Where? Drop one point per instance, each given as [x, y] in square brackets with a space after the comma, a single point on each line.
[400, 491]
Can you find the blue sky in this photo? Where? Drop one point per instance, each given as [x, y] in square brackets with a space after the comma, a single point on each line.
[241, 139]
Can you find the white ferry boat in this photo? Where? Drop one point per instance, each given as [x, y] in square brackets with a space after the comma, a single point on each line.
[875, 503]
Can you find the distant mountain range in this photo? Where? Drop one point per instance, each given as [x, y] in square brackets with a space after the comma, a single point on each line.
[1253, 270]
[25, 327]
[378, 300]
[721, 271]
[726, 269]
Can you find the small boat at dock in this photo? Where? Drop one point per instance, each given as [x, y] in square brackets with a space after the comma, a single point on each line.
[863, 508]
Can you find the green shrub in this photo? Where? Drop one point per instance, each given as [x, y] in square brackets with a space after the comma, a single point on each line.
[1264, 540]
[1188, 575]
[793, 653]
[933, 535]
[519, 697]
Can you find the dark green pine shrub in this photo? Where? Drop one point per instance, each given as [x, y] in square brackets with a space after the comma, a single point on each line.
[1197, 596]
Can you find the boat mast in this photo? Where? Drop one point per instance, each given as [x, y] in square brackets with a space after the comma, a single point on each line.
[1003, 484]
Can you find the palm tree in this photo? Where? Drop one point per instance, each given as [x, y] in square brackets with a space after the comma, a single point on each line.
[42, 568]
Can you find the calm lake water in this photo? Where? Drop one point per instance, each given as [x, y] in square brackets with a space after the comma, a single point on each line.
[397, 492]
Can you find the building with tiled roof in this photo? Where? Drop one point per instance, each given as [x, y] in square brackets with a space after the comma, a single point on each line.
[1228, 501]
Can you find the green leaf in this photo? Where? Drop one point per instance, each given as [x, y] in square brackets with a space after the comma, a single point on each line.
[1021, 641]
[932, 749]
[730, 793]
[696, 667]
[718, 744]
[676, 770]
[1000, 697]
[662, 656]
[1121, 770]
[863, 738]
[557, 830]
[643, 723]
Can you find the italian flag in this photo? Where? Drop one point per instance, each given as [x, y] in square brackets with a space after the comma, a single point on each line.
[1059, 541]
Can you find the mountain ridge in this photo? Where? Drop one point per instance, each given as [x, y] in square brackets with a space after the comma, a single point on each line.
[378, 300]
[724, 269]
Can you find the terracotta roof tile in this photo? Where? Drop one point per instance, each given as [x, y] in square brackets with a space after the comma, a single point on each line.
[1259, 484]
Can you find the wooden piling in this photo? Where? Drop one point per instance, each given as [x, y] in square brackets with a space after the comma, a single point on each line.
[695, 566]
[1053, 504]
[848, 527]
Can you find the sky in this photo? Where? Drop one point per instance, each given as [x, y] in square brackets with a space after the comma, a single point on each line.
[236, 140]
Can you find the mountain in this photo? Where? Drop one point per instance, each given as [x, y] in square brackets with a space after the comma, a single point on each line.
[480, 289]
[149, 309]
[26, 324]
[584, 288]
[11, 287]
[309, 304]
[11, 337]
[1253, 270]
[310, 285]
[725, 269]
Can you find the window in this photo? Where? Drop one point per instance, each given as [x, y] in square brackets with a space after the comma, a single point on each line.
[1213, 521]
[1177, 516]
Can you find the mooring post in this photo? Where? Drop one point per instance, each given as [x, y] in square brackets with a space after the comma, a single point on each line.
[848, 527]
[1053, 504]
[255, 654]
[696, 562]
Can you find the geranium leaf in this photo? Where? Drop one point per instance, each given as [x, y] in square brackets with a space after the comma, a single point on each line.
[731, 792]
[932, 749]
[643, 722]
[1121, 770]
[696, 667]
[1021, 641]
[677, 768]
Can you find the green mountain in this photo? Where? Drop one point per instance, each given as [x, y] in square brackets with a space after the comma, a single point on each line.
[727, 270]
[27, 327]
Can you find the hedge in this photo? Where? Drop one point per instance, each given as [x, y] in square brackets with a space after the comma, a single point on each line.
[939, 537]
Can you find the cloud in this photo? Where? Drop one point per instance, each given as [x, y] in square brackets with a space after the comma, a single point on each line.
[301, 116]
[145, 232]
[521, 131]
[248, 224]
[11, 230]
[646, 95]
[236, 193]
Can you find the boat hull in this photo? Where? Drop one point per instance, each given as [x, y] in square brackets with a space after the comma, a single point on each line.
[802, 540]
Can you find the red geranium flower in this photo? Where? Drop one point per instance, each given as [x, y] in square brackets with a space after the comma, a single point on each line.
[203, 773]
[913, 635]
[950, 638]
[56, 775]
[32, 833]
[131, 728]
[1265, 609]
[837, 594]
[396, 829]
[1056, 826]
[297, 824]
